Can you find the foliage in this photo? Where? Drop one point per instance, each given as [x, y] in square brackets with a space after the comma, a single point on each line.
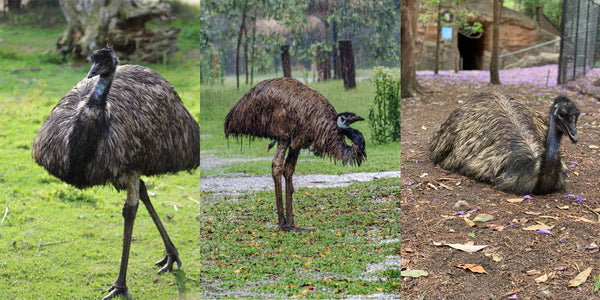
[357, 229]
[552, 8]
[384, 115]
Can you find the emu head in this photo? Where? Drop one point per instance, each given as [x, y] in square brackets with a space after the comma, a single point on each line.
[104, 61]
[346, 118]
[566, 114]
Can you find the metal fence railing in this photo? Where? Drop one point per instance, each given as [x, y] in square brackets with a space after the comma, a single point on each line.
[579, 39]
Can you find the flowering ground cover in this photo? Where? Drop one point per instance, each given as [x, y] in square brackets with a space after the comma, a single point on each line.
[535, 246]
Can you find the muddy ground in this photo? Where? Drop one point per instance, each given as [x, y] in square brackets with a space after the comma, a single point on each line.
[519, 263]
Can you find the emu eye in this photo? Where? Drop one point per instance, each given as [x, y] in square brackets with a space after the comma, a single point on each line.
[107, 63]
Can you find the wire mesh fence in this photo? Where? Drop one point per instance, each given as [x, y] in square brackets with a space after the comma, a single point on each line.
[579, 39]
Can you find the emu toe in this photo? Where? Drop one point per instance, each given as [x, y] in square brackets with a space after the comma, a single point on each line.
[115, 291]
[167, 262]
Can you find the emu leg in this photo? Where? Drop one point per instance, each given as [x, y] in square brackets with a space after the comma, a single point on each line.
[288, 172]
[172, 254]
[129, 212]
[277, 171]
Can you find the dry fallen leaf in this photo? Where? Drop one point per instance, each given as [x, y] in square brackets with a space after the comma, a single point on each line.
[542, 278]
[472, 267]
[468, 221]
[466, 248]
[413, 273]
[514, 200]
[580, 278]
[593, 147]
[539, 226]
[483, 218]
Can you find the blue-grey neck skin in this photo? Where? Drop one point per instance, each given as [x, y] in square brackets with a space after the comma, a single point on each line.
[101, 89]
[554, 138]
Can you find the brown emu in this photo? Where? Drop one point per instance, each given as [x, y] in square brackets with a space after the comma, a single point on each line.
[296, 116]
[495, 139]
[113, 126]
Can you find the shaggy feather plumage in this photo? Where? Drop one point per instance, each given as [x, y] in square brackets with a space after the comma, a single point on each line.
[144, 128]
[495, 139]
[296, 116]
[285, 109]
[112, 127]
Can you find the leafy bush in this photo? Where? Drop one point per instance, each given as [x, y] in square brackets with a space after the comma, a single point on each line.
[384, 114]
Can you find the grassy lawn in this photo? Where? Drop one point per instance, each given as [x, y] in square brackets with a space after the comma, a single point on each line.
[57, 242]
[355, 248]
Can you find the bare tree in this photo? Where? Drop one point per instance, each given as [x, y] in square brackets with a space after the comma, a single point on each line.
[494, 73]
[408, 19]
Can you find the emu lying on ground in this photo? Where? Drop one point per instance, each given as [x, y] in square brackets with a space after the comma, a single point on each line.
[495, 139]
[296, 116]
[127, 122]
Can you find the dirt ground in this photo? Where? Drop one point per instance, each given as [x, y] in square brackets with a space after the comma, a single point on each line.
[519, 263]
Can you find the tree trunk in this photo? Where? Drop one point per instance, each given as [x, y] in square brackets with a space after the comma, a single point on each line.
[335, 52]
[347, 58]
[408, 29]
[93, 23]
[323, 62]
[437, 39]
[494, 73]
[285, 61]
[13, 5]
[252, 51]
[239, 42]
[246, 67]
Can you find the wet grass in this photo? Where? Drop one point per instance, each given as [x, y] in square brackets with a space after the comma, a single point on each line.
[357, 231]
[59, 242]
[218, 99]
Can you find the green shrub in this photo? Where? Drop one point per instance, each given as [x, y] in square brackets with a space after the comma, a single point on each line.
[384, 114]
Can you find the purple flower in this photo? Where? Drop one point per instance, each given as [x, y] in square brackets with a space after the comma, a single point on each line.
[473, 210]
[527, 197]
[415, 143]
[511, 224]
[574, 163]
[513, 297]
[409, 182]
[544, 231]
[562, 240]
[590, 247]
[579, 199]
[462, 212]
[569, 195]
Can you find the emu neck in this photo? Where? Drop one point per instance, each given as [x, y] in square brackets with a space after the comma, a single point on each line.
[553, 140]
[101, 89]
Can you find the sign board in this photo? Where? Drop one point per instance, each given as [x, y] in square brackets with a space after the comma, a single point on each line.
[446, 33]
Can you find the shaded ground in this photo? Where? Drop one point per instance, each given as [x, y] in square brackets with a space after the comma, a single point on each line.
[520, 264]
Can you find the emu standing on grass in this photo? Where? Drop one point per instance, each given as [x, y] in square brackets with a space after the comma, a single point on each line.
[126, 123]
[498, 140]
[296, 116]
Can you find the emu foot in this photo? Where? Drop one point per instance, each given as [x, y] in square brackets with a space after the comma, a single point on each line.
[294, 228]
[116, 291]
[167, 262]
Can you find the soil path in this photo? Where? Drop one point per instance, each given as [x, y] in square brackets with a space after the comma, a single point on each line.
[235, 184]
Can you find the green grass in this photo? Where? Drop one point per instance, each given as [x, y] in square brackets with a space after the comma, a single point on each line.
[356, 227]
[59, 242]
[218, 99]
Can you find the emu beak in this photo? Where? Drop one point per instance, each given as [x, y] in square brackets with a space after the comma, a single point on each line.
[572, 131]
[353, 118]
[94, 70]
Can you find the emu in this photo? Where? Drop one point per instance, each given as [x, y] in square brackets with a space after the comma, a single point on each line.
[295, 116]
[495, 139]
[115, 125]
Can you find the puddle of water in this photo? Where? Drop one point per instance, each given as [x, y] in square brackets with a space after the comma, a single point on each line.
[233, 185]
